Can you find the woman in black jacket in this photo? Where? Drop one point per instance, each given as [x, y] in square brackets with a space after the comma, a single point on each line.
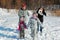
[41, 13]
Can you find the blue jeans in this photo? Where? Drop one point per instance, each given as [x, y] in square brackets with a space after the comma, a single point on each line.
[40, 28]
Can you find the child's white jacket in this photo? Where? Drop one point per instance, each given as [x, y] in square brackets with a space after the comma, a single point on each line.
[34, 23]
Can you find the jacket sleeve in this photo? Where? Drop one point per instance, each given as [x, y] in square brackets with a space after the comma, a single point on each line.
[44, 13]
[25, 26]
[39, 23]
[28, 13]
[30, 23]
[20, 13]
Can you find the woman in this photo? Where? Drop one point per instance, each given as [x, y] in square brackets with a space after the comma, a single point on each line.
[41, 13]
[23, 14]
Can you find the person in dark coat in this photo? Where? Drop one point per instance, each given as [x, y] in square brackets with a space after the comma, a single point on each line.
[23, 15]
[41, 12]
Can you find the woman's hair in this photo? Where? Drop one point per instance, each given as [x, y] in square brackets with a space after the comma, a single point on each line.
[40, 8]
[42, 11]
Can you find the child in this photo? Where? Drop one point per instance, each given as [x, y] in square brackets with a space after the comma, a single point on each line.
[21, 27]
[34, 23]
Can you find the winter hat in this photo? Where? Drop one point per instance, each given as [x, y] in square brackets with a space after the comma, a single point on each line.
[24, 5]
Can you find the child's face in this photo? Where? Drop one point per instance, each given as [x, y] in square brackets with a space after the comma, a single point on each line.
[22, 19]
[24, 7]
[35, 15]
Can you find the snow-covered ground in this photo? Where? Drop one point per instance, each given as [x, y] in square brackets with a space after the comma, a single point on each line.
[9, 24]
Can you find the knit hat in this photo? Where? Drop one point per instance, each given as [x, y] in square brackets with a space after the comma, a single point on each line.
[24, 5]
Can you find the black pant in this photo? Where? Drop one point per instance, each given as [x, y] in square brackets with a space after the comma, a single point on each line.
[41, 20]
[22, 34]
[41, 29]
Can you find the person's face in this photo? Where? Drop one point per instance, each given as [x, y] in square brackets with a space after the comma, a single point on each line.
[40, 10]
[22, 18]
[24, 7]
[35, 15]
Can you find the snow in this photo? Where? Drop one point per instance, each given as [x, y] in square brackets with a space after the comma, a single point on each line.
[9, 23]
